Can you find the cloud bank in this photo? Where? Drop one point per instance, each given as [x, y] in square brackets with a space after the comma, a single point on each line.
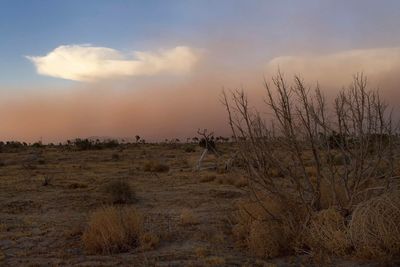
[337, 69]
[89, 63]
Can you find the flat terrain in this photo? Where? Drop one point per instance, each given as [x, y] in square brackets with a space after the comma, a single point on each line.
[47, 195]
[42, 224]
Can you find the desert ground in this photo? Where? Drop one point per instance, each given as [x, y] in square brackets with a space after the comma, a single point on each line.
[48, 194]
[42, 224]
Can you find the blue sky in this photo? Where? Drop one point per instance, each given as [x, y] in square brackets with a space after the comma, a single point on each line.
[270, 28]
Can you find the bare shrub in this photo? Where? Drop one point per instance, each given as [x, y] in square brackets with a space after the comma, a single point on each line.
[265, 234]
[313, 154]
[113, 229]
[119, 192]
[375, 226]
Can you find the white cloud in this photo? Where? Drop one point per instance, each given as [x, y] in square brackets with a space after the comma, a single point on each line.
[337, 69]
[89, 63]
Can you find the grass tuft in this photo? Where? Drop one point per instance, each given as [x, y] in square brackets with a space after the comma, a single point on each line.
[113, 229]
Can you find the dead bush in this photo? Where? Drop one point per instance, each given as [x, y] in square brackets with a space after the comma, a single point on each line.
[307, 143]
[327, 232]
[375, 227]
[119, 192]
[267, 227]
[265, 239]
[317, 157]
[113, 229]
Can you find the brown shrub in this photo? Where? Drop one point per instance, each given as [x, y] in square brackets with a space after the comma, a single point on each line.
[113, 229]
[268, 228]
[375, 227]
[119, 192]
[327, 233]
[266, 239]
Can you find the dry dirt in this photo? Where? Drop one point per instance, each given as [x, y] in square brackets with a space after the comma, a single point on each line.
[42, 225]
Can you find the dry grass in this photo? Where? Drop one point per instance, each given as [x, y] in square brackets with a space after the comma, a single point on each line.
[327, 233]
[375, 227]
[265, 239]
[113, 229]
[268, 228]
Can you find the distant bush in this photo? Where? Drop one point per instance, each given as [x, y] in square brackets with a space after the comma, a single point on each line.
[113, 229]
[88, 144]
[119, 192]
[12, 146]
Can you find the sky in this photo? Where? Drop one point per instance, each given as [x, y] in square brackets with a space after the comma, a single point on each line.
[118, 68]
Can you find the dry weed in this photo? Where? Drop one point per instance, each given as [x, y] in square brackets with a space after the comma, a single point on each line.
[327, 232]
[268, 228]
[113, 229]
[375, 227]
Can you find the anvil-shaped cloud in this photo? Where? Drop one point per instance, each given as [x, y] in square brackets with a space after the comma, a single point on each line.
[89, 63]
